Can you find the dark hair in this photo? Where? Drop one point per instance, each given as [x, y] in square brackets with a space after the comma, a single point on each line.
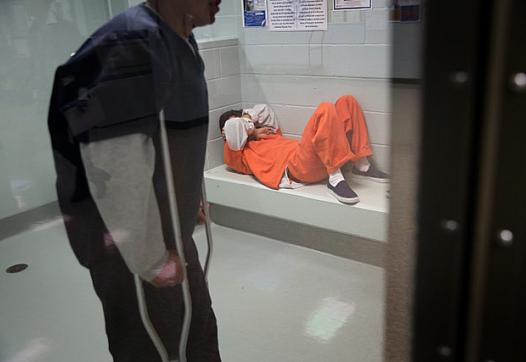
[227, 115]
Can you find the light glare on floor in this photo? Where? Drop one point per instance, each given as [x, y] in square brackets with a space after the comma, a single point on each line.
[33, 352]
[328, 319]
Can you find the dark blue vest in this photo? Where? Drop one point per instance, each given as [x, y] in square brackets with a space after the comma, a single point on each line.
[114, 85]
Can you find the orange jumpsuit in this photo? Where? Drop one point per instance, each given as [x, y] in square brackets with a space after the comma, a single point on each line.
[335, 134]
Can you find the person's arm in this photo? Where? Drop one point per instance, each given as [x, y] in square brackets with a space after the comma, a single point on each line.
[237, 132]
[263, 116]
[120, 171]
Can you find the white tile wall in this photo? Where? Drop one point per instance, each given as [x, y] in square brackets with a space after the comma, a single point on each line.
[227, 22]
[224, 91]
[382, 156]
[230, 7]
[336, 34]
[359, 61]
[222, 71]
[212, 63]
[378, 28]
[225, 26]
[229, 60]
[292, 119]
[379, 125]
[214, 153]
[221, 62]
[382, 3]
[373, 94]
[346, 16]
[27, 66]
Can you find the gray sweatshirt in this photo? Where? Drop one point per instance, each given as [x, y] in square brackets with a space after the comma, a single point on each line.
[120, 175]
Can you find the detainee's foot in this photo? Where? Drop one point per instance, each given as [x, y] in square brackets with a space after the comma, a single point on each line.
[372, 174]
[343, 193]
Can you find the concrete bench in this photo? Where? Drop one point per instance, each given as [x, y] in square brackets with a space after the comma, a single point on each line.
[310, 205]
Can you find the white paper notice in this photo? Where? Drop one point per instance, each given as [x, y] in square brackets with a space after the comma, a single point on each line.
[351, 4]
[297, 15]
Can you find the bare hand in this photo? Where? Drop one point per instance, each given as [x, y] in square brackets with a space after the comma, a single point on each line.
[263, 132]
[171, 274]
[201, 217]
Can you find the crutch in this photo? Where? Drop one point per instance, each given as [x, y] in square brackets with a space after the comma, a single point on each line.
[208, 229]
[161, 349]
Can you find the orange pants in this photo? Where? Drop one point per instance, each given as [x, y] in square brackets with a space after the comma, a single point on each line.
[335, 134]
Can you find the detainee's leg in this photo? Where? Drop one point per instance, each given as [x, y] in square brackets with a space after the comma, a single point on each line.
[323, 149]
[351, 114]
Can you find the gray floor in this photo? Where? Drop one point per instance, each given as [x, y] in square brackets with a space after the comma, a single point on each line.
[275, 302]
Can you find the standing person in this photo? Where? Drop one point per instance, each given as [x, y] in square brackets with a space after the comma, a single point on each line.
[335, 136]
[104, 129]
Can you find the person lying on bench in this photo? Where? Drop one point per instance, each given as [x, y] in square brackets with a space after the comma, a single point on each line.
[334, 137]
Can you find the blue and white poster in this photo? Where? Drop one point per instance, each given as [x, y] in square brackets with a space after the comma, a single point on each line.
[254, 13]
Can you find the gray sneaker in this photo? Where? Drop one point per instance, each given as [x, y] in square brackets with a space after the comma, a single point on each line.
[343, 193]
[372, 174]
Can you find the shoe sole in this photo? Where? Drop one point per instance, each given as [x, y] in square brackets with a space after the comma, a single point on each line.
[345, 200]
[369, 178]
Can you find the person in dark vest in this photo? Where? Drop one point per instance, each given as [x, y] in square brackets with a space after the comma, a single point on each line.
[104, 127]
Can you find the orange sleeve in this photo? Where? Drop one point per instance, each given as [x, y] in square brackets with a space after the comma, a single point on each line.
[235, 160]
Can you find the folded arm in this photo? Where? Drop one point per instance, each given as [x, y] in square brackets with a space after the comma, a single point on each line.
[262, 116]
[239, 130]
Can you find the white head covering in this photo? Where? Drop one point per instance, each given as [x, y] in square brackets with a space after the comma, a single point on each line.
[236, 132]
[262, 115]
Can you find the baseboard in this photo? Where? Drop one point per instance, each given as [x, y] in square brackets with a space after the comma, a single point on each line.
[351, 247]
[24, 221]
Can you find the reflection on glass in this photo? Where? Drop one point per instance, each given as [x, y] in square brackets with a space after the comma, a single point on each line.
[276, 92]
[35, 37]
[328, 319]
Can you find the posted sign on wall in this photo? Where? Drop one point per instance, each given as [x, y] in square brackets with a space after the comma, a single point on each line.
[351, 4]
[297, 15]
[406, 10]
[254, 13]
